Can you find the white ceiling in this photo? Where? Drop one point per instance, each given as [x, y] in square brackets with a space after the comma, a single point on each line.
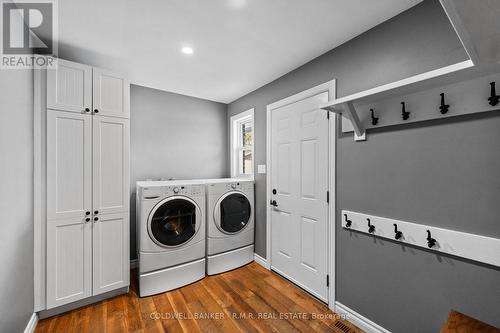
[239, 45]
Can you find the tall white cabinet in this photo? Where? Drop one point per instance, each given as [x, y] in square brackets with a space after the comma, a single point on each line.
[81, 183]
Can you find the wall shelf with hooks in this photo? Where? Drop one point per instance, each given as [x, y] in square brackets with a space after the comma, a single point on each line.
[345, 105]
[461, 244]
[464, 92]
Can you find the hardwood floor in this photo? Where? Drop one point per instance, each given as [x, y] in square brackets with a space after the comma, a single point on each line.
[248, 299]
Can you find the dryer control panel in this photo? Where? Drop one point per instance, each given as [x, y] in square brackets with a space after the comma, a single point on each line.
[242, 186]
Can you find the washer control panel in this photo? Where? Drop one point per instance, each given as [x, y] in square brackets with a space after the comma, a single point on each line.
[156, 192]
[191, 190]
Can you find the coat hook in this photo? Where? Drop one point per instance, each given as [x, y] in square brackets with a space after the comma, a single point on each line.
[404, 113]
[374, 119]
[430, 241]
[443, 107]
[371, 227]
[494, 98]
[397, 234]
[347, 222]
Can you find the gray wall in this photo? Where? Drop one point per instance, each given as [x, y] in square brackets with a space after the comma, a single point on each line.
[173, 135]
[16, 199]
[427, 171]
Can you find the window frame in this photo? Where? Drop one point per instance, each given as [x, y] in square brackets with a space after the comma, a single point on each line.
[237, 147]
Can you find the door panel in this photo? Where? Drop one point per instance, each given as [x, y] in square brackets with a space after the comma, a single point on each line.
[299, 173]
[111, 94]
[69, 87]
[111, 252]
[111, 164]
[69, 261]
[69, 164]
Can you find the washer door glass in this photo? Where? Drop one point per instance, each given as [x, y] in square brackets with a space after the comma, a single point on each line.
[174, 222]
[234, 212]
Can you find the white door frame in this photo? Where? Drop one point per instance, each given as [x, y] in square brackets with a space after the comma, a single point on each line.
[329, 87]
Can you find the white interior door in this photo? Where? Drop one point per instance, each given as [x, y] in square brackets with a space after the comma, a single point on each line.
[111, 252]
[69, 261]
[69, 87]
[69, 164]
[299, 176]
[111, 165]
[111, 94]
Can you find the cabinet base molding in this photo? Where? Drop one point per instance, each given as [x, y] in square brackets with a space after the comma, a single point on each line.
[84, 302]
[30, 328]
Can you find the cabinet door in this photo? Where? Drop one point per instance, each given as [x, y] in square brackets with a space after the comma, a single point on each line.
[69, 261]
[69, 164]
[111, 165]
[69, 87]
[111, 252]
[111, 94]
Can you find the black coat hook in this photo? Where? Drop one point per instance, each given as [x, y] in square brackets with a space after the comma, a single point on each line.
[404, 113]
[443, 108]
[374, 119]
[371, 227]
[430, 241]
[494, 98]
[397, 234]
[347, 222]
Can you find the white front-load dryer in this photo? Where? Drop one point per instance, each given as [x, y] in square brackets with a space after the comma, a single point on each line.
[171, 233]
[230, 225]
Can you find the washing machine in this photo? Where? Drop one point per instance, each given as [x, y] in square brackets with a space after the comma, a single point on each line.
[230, 224]
[171, 230]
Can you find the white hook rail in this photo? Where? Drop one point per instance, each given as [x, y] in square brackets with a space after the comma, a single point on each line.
[470, 246]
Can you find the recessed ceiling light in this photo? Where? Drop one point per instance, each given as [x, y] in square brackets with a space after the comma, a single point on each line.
[187, 50]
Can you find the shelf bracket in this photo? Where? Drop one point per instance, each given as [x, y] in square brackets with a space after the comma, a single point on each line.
[348, 110]
[351, 114]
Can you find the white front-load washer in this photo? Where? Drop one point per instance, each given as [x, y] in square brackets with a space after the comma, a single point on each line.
[171, 229]
[230, 224]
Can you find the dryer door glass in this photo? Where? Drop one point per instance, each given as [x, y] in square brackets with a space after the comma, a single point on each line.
[234, 212]
[174, 222]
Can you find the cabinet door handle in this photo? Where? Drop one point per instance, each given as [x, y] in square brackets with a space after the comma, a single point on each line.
[96, 111]
[87, 110]
[87, 219]
[96, 219]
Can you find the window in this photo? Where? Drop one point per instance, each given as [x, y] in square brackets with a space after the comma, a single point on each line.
[242, 135]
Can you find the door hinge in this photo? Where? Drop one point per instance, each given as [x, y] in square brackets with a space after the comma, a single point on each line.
[327, 114]
[327, 196]
[327, 280]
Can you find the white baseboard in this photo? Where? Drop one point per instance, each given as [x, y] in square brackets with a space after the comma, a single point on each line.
[134, 263]
[30, 328]
[355, 318]
[261, 261]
